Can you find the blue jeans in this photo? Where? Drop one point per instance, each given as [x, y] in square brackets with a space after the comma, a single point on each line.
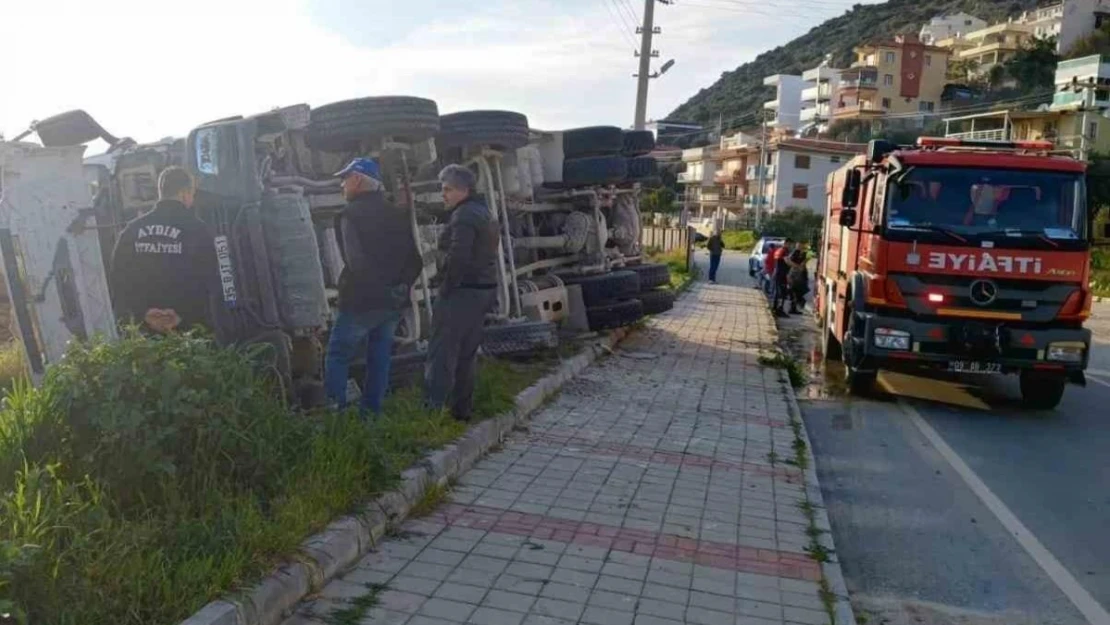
[714, 264]
[377, 328]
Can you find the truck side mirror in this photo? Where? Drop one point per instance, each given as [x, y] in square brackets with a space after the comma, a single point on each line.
[848, 217]
[849, 198]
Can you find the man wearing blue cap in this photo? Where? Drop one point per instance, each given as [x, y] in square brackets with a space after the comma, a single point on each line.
[380, 265]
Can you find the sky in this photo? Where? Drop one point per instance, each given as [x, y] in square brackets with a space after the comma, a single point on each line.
[149, 69]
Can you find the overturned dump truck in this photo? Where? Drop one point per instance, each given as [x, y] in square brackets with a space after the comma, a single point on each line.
[567, 203]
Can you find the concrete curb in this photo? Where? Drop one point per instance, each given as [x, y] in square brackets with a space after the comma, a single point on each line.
[842, 609]
[347, 539]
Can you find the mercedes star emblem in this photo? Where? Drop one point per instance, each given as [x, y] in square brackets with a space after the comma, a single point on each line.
[983, 292]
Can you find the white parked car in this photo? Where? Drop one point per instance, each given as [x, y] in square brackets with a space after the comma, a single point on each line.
[762, 246]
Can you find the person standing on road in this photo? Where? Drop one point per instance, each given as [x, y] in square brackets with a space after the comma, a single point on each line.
[781, 278]
[798, 279]
[380, 265]
[165, 272]
[467, 293]
[769, 269]
[716, 247]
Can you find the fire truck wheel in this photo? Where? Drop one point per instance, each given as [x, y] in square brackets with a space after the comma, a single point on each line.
[603, 288]
[347, 125]
[656, 302]
[592, 141]
[594, 170]
[520, 338]
[500, 130]
[615, 315]
[651, 275]
[1041, 391]
[638, 142]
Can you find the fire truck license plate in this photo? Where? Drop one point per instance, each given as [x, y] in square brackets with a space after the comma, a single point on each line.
[974, 366]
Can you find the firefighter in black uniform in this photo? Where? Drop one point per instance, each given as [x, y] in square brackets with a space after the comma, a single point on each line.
[165, 272]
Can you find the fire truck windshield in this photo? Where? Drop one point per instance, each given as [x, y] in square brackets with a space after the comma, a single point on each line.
[979, 202]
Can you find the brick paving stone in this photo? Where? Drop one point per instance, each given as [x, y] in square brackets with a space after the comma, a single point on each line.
[642, 494]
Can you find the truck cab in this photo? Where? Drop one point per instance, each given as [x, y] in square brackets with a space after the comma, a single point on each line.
[966, 257]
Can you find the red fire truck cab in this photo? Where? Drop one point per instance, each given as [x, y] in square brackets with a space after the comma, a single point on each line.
[963, 256]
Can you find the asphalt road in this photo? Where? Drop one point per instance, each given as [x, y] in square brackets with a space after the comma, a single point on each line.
[919, 545]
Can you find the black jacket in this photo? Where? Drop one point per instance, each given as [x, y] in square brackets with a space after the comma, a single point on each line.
[715, 244]
[380, 257]
[166, 259]
[470, 241]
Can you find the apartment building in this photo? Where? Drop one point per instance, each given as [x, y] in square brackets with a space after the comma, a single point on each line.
[903, 77]
[1077, 119]
[795, 171]
[990, 46]
[1067, 21]
[787, 105]
[699, 188]
[949, 26]
[820, 85]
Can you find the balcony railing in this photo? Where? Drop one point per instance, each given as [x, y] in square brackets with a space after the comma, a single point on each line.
[752, 172]
[862, 109]
[997, 134]
[859, 83]
[730, 177]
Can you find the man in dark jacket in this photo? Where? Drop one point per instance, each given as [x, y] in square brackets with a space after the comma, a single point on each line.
[716, 248]
[165, 271]
[380, 264]
[467, 293]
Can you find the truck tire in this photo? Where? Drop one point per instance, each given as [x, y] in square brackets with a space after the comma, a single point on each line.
[638, 142]
[603, 288]
[656, 302]
[652, 275]
[1041, 391]
[594, 170]
[519, 338]
[614, 315]
[592, 141]
[860, 383]
[642, 168]
[405, 370]
[500, 130]
[345, 125]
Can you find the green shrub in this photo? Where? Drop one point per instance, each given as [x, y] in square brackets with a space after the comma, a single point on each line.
[145, 478]
[743, 240]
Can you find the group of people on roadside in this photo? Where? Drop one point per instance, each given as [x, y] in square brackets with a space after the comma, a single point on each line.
[785, 277]
[165, 276]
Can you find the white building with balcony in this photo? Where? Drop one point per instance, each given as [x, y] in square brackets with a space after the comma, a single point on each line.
[787, 105]
[1067, 21]
[820, 84]
[1082, 83]
[948, 26]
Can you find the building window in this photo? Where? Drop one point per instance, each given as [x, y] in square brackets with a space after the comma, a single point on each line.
[928, 60]
[888, 57]
[925, 107]
[1092, 130]
[801, 161]
[888, 79]
[834, 159]
[800, 192]
[769, 158]
[886, 103]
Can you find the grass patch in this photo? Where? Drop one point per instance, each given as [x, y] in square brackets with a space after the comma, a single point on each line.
[1100, 282]
[356, 608]
[434, 495]
[782, 360]
[681, 275]
[145, 478]
[742, 240]
[13, 366]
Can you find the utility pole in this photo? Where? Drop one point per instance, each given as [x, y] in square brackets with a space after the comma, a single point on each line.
[646, 54]
[762, 170]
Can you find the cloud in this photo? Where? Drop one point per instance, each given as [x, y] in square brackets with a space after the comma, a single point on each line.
[148, 69]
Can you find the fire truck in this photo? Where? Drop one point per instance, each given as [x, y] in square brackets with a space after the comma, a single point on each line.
[971, 257]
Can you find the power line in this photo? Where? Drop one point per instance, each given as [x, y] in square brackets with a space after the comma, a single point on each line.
[621, 24]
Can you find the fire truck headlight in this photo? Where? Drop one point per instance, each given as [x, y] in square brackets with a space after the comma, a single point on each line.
[1065, 352]
[889, 338]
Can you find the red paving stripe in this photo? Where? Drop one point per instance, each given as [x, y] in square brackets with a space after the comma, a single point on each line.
[667, 546]
[790, 475]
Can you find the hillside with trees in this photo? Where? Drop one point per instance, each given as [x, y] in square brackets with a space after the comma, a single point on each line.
[739, 94]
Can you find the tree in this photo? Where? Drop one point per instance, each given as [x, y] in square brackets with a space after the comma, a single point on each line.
[1033, 67]
[1097, 42]
[661, 200]
[798, 223]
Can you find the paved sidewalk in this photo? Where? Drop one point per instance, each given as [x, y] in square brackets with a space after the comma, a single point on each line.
[642, 495]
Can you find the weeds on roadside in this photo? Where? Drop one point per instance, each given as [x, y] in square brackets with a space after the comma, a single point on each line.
[144, 478]
[782, 360]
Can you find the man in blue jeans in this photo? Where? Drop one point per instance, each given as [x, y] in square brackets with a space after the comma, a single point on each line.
[380, 264]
